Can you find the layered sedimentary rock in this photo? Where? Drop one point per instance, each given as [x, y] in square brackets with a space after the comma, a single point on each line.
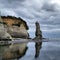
[16, 27]
[3, 32]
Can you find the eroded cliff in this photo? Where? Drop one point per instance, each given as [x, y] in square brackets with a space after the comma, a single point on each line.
[16, 27]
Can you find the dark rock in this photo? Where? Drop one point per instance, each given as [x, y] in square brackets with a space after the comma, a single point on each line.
[38, 35]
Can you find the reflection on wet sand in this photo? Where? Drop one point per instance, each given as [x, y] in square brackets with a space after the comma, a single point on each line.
[14, 51]
[2, 48]
[38, 35]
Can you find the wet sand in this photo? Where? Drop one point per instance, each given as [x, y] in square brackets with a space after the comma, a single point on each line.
[49, 51]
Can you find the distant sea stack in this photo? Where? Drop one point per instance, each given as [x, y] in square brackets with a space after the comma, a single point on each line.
[16, 27]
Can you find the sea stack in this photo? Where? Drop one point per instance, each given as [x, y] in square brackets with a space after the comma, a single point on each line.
[38, 35]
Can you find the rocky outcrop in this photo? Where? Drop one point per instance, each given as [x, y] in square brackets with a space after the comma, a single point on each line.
[38, 35]
[17, 28]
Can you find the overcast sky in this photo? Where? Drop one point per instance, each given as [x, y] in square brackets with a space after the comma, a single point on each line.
[46, 12]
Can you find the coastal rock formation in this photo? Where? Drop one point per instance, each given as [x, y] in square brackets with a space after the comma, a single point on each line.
[38, 35]
[17, 28]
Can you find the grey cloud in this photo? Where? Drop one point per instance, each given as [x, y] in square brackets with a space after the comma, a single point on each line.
[15, 0]
[50, 27]
[48, 7]
[57, 20]
[55, 34]
[33, 10]
[6, 12]
[11, 4]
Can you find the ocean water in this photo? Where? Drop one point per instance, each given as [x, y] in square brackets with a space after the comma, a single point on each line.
[49, 51]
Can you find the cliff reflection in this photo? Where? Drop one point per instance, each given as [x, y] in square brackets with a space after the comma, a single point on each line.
[14, 51]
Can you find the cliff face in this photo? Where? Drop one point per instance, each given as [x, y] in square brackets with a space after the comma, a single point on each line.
[3, 33]
[16, 27]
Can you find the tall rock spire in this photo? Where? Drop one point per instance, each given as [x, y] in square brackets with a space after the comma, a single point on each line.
[38, 36]
[38, 31]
